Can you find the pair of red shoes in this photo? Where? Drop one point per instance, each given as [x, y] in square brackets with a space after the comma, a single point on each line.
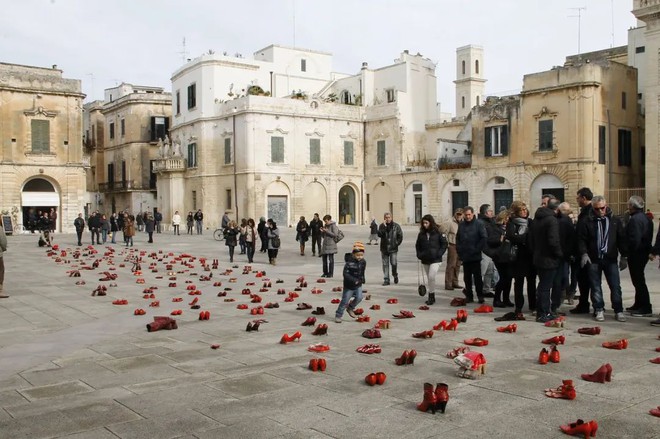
[602, 375]
[579, 427]
[461, 315]
[311, 321]
[565, 391]
[204, 315]
[403, 314]
[369, 349]
[392, 301]
[176, 312]
[375, 378]
[321, 329]
[286, 338]
[451, 326]
[483, 309]
[552, 355]
[619, 344]
[371, 333]
[510, 328]
[434, 400]
[139, 312]
[120, 302]
[316, 364]
[423, 334]
[408, 357]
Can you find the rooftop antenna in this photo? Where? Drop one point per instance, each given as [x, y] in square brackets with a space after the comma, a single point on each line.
[612, 9]
[184, 52]
[579, 17]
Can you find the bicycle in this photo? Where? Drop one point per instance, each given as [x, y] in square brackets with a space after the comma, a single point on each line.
[219, 235]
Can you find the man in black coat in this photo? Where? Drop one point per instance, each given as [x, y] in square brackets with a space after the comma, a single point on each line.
[546, 250]
[470, 242]
[94, 223]
[79, 224]
[315, 227]
[567, 243]
[639, 234]
[601, 238]
[583, 198]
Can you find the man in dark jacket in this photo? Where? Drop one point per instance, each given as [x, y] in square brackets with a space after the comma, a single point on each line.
[600, 240]
[158, 219]
[391, 236]
[263, 235]
[487, 216]
[470, 242]
[315, 227]
[546, 250]
[567, 244]
[94, 224]
[639, 236]
[583, 198]
[79, 224]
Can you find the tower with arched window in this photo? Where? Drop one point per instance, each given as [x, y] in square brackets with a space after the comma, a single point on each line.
[470, 82]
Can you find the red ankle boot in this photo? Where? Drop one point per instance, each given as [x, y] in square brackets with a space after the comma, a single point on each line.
[429, 399]
[441, 396]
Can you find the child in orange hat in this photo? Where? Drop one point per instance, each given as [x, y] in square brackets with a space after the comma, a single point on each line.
[353, 279]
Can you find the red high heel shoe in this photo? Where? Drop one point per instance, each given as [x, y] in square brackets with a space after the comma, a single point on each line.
[655, 360]
[461, 315]
[286, 338]
[476, 341]
[441, 325]
[451, 326]
[590, 331]
[510, 328]
[321, 329]
[544, 356]
[619, 344]
[602, 375]
[557, 339]
[403, 359]
[371, 379]
[429, 401]
[580, 427]
[380, 378]
[441, 396]
[553, 356]
[423, 334]
[412, 354]
[311, 321]
[565, 391]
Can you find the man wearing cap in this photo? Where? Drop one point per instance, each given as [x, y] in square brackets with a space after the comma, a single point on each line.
[453, 262]
[353, 279]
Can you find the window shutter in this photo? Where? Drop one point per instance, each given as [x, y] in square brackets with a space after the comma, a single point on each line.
[167, 125]
[40, 136]
[488, 148]
[504, 140]
[153, 129]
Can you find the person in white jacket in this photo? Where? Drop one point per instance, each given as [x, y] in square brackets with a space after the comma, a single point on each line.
[176, 221]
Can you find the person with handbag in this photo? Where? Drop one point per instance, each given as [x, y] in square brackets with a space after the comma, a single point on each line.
[231, 240]
[273, 237]
[499, 250]
[430, 246]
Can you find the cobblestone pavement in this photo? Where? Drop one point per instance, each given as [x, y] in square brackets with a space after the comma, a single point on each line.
[77, 366]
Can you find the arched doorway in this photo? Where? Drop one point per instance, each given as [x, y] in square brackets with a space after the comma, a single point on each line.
[545, 184]
[347, 211]
[38, 196]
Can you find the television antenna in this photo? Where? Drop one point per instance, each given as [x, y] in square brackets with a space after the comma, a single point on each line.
[579, 17]
[183, 52]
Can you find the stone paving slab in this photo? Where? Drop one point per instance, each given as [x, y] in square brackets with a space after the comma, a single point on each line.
[171, 384]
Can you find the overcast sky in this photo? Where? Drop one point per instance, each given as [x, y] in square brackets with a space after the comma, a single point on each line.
[106, 42]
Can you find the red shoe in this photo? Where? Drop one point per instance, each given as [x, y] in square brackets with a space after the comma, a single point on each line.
[318, 347]
[451, 326]
[321, 329]
[557, 339]
[404, 315]
[483, 309]
[335, 301]
[313, 364]
[457, 301]
[423, 334]
[403, 359]
[580, 427]
[242, 306]
[429, 401]
[380, 378]
[553, 356]
[544, 356]
[600, 376]
[476, 342]
[510, 328]
[619, 344]
[369, 349]
[412, 354]
[655, 360]
[194, 301]
[461, 315]
[556, 323]
[322, 364]
[590, 331]
[392, 301]
[565, 391]
[655, 411]
[442, 325]
[311, 321]
[371, 379]
[441, 396]
[375, 307]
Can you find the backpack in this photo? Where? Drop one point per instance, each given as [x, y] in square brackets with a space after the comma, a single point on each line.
[275, 241]
[339, 236]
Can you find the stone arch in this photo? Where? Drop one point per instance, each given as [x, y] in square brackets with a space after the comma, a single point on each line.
[416, 203]
[348, 202]
[315, 200]
[453, 195]
[39, 193]
[277, 200]
[498, 192]
[544, 182]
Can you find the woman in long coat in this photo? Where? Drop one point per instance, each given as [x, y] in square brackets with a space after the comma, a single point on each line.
[129, 229]
[302, 234]
[231, 233]
[430, 246]
[272, 232]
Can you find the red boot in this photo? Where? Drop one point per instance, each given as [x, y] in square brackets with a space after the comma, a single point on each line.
[429, 399]
[441, 396]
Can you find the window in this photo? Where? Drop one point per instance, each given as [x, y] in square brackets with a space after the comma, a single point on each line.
[463, 64]
[227, 150]
[417, 187]
[380, 153]
[625, 148]
[496, 141]
[192, 96]
[623, 100]
[348, 153]
[303, 65]
[153, 177]
[123, 170]
[160, 126]
[40, 136]
[111, 173]
[228, 198]
[194, 200]
[368, 203]
[642, 153]
[178, 102]
[314, 151]
[462, 101]
[545, 135]
[122, 127]
[345, 97]
[192, 155]
[640, 49]
[601, 144]
[112, 130]
[476, 67]
[391, 96]
[277, 149]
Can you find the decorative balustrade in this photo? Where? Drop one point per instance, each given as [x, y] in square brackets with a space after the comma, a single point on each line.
[170, 165]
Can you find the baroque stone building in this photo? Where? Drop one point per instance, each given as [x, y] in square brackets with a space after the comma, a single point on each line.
[41, 155]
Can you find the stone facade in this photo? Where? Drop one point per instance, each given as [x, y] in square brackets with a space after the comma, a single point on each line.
[42, 164]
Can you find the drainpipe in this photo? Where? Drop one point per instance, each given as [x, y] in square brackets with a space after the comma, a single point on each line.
[271, 84]
[233, 143]
[610, 152]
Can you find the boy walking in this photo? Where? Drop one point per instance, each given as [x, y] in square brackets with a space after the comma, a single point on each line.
[353, 280]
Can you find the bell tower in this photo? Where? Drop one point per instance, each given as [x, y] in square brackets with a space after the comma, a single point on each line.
[470, 82]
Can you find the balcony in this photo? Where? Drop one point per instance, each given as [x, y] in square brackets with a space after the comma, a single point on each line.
[461, 162]
[118, 186]
[174, 164]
